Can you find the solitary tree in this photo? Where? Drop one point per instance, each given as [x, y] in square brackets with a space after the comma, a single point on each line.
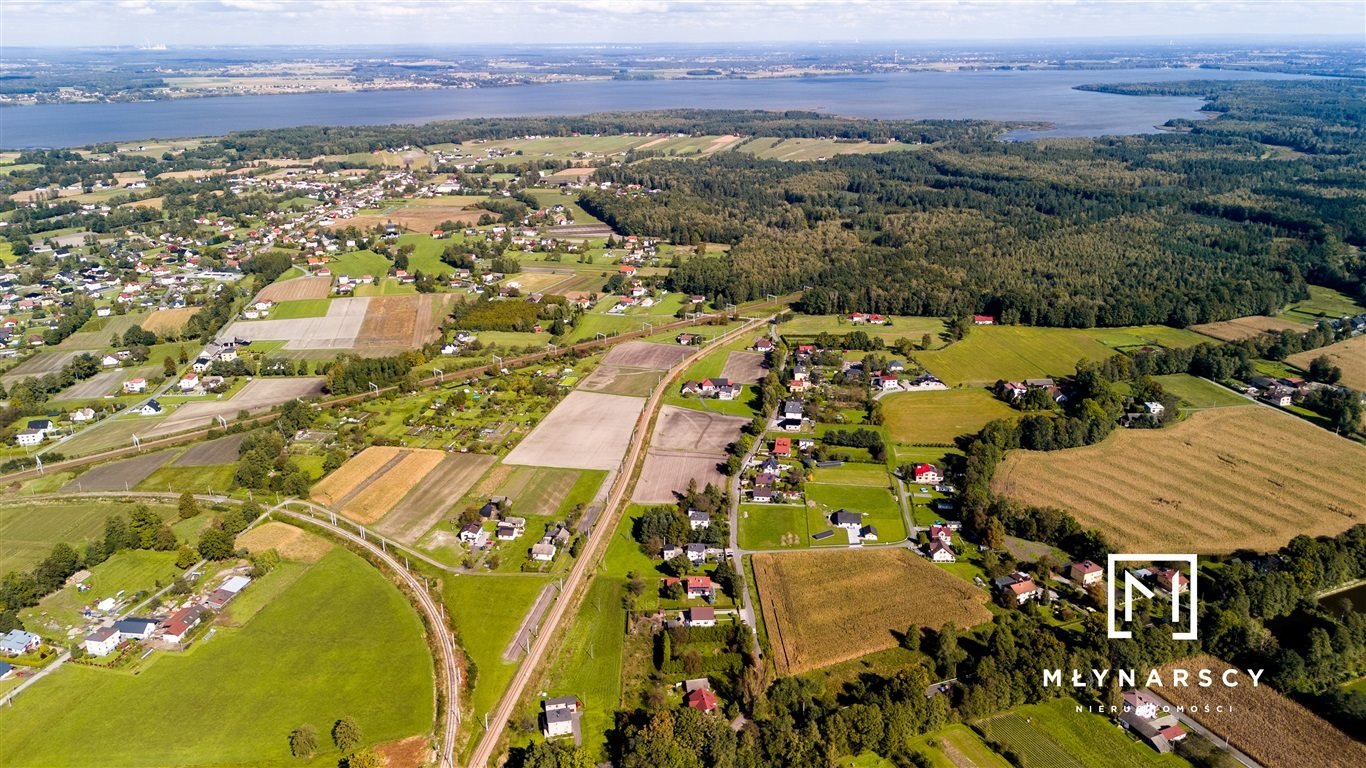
[346, 734]
[303, 741]
[365, 758]
[188, 506]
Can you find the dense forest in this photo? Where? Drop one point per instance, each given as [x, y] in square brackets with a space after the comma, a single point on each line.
[1229, 217]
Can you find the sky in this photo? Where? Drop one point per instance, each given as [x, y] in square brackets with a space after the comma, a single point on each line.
[178, 23]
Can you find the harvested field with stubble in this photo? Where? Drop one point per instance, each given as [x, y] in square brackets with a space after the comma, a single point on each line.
[119, 475]
[1349, 355]
[41, 364]
[355, 471]
[401, 321]
[429, 499]
[296, 288]
[814, 606]
[292, 543]
[1240, 328]
[374, 501]
[686, 445]
[645, 354]
[1244, 477]
[587, 430]
[745, 367]
[1258, 721]
[99, 385]
[169, 321]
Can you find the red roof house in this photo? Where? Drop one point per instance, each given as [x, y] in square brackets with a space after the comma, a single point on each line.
[701, 700]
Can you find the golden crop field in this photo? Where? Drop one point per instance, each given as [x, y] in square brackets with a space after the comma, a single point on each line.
[1223, 479]
[1349, 355]
[1270, 728]
[1246, 327]
[337, 485]
[822, 608]
[375, 500]
[166, 321]
[291, 543]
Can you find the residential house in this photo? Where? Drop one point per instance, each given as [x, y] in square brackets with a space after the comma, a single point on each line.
[761, 495]
[189, 382]
[18, 642]
[942, 534]
[508, 532]
[226, 591]
[81, 415]
[135, 629]
[697, 553]
[728, 391]
[793, 409]
[1142, 716]
[940, 552]
[102, 641]
[471, 533]
[559, 716]
[983, 319]
[543, 551]
[782, 446]
[1085, 573]
[763, 344]
[149, 408]
[6, 669]
[28, 437]
[698, 519]
[687, 339]
[868, 533]
[699, 587]
[704, 616]
[702, 700]
[926, 473]
[1019, 586]
[845, 519]
[1172, 580]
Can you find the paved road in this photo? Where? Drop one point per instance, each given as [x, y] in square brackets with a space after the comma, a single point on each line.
[1214, 738]
[596, 545]
[737, 554]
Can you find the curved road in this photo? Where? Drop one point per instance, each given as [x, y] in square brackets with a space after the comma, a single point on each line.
[597, 540]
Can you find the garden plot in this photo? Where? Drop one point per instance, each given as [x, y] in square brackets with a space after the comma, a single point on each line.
[335, 330]
[258, 393]
[745, 367]
[297, 288]
[686, 446]
[119, 475]
[424, 504]
[97, 386]
[587, 430]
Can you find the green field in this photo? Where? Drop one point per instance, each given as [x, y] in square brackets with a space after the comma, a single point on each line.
[1323, 303]
[877, 504]
[358, 263]
[488, 610]
[115, 432]
[962, 740]
[937, 418]
[29, 530]
[773, 526]
[902, 327]
[1199, 393]
[588, 662]
[426, 256]
[387, 287]
[300, 308]
[341, 642]
[1053, 735]
[131, 571]
[853, 474]
[217, 478]
[597, 320]
[818, 149]
[1019, 352]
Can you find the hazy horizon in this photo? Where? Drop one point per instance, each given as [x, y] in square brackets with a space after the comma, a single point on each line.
[578, 23]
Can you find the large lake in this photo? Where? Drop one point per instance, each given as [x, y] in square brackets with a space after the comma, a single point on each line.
[1039, 95]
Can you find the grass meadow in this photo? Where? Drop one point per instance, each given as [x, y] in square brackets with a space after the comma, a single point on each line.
[937, 418]
[488, 610]
[1196, 392]
[1020, 352]
[340, 642]
[29, 530]
[1054, 735]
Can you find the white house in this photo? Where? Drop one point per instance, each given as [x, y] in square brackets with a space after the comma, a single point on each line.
[559, 716]
[135, 385]
[941, 552]
[189, 381]
[149, 408]
[102, 641]
[543, 551]
[698, 519]
[703, 616]
[29, 437]
[83, 415]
